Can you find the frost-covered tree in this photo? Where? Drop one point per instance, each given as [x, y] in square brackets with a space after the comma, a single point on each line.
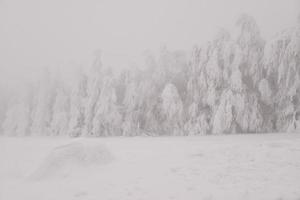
[249, 116]
[18, 116]
[196, 119]
[198, 122]
[60, 118]
[43, 109]
[149, 108]
[252, 46]
[282, 66]
[131, 103]
[213, 71]
[265, 91]
[78, 105]
[9, 125]
[5, 103]
[172, 109]
[107, 120]
[93, 92]
[223, 119]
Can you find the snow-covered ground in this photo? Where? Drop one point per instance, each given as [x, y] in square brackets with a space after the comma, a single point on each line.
[151, 168]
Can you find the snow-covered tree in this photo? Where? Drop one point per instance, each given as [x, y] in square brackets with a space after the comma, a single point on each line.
[43, 109]
[248, 113]
[131, 119]
[252, 45]
[223, 119]
[77, 105]
[107, 120]
[18, 116]
[172, 108]
[265, 91]
[282, 66]
[150, 112]
[9, 125]
[93, 92]
[198, 120]
[60, 118]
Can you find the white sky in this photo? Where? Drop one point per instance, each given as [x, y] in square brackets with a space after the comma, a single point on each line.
[38, 33]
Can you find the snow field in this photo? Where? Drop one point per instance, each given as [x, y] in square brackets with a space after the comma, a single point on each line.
[209, 167]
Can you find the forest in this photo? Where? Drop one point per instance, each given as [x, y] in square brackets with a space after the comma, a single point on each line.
[236, 83]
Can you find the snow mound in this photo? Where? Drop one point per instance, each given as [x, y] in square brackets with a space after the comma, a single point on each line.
[64, 159]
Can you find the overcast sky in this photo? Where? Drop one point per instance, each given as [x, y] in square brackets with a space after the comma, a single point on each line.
[38, 33]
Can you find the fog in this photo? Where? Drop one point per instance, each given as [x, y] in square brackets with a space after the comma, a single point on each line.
[62, 33]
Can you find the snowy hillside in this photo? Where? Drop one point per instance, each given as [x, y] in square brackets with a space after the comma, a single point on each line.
[232, 167]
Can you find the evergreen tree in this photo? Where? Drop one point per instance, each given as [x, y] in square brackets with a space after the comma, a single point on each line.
[172, 109]
[43, 110]
[107, 120]
[78, 105]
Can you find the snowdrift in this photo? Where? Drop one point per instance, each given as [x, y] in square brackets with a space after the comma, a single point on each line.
[66, 159]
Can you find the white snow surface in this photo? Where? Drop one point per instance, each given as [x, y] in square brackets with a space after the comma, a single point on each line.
[63, 159]
[258, 166]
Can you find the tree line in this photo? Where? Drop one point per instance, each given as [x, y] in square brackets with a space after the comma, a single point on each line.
[232, 84]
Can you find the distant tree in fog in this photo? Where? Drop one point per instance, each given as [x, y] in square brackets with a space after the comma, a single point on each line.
[78, 101]
[94, 85]
[60, 118]
[172, 109]
[107, 120]
[43, 105]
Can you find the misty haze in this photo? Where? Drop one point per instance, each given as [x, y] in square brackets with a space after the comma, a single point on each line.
[161, 99]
